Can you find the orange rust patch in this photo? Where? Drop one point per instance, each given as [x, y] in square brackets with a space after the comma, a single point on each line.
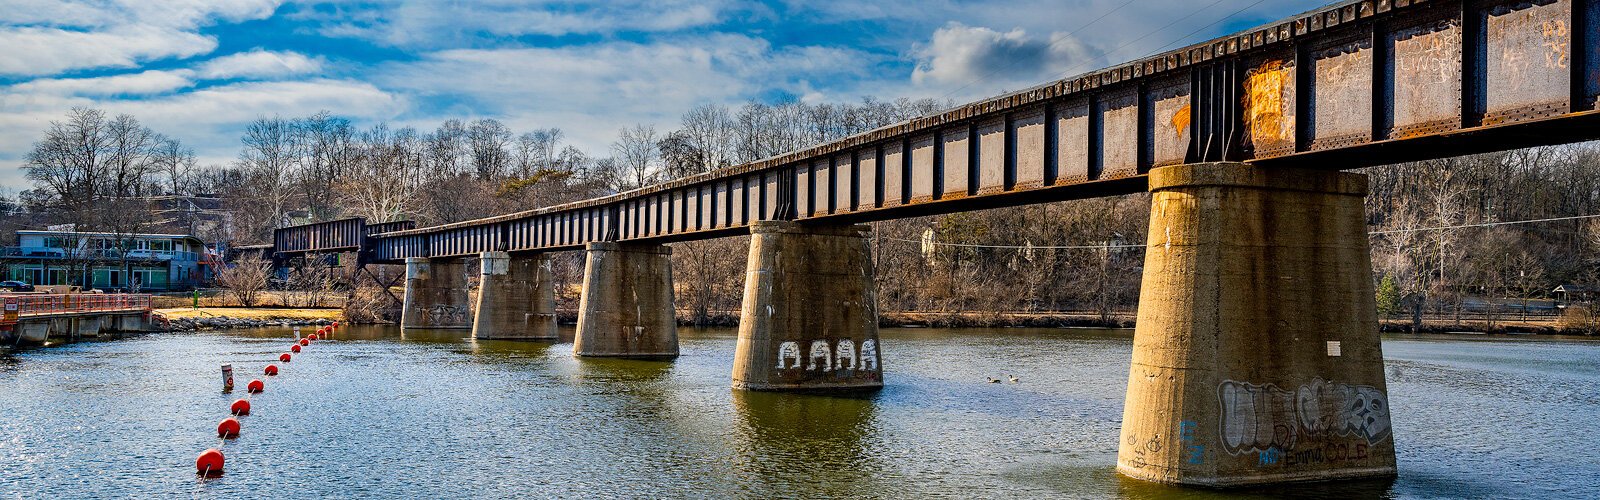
[1180, 121]
[1264, 104]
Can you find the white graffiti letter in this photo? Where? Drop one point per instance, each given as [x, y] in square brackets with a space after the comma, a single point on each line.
[788, 355]
[820, 350]
[847, 354]
[869, 355]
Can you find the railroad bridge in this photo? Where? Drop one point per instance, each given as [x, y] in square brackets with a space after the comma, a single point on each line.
[1256, 357]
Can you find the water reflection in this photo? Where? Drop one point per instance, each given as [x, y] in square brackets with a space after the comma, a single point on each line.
[832, 434]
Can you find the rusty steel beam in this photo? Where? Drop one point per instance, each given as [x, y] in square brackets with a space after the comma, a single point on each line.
[1349, 85]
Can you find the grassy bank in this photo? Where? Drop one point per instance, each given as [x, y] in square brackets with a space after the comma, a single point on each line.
[253, 313]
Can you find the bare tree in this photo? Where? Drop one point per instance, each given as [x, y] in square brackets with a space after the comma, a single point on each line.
[489, 142]
[245, 281]
[637, 157]
[176, 162]
[271, 155]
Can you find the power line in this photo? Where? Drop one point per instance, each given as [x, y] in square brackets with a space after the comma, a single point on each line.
[1206, 27]
[1371, 233]
[1485, 224]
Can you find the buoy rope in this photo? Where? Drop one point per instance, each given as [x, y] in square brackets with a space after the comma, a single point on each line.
[222, 437]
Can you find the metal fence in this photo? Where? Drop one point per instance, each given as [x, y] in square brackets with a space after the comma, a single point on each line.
[48, 304]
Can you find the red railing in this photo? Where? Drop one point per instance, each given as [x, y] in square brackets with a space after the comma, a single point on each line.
[42, 304]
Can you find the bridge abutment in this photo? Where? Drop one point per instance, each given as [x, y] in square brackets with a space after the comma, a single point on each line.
[436, 294]
[626, 309]
[516, 298]
[1256, 358]
[809, 321]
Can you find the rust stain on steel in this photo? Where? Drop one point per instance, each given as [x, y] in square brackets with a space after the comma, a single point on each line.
[1529, 53]
[1427, 78]
[1269, 107]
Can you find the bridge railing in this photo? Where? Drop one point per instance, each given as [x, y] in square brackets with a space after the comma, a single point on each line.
[49, 304]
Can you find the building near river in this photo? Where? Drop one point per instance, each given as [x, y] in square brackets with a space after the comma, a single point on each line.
[109, 261]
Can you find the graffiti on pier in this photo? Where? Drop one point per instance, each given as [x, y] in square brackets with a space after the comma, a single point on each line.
[823, 357]
[445, 315]
[788, 355]
[1264, 418]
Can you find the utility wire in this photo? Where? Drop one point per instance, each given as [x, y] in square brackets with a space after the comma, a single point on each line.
[1372, 233]
[1485, 224]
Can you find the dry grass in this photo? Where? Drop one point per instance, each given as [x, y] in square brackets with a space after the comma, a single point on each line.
[253, 313]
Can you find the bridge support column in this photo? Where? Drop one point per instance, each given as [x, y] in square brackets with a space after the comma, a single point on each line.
[810, 315]
[436, 294]
[516, 298]
[1256, 358]
[626, 310]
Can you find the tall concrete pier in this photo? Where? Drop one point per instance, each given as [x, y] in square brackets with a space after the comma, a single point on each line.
[809, 319]
[627, 309]
[1256, 357]
[436, 294]
[516, 298]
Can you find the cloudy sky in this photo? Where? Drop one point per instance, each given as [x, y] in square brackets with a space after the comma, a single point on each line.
[198, 70]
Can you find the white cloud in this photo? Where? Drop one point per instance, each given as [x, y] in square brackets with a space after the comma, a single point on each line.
[591, 91]
[449, 23]
[258, 63]
[147, 82]
[43, 37]
[49, 51]
[960, 55]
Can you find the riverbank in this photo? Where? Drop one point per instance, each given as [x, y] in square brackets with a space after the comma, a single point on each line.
[207, 318]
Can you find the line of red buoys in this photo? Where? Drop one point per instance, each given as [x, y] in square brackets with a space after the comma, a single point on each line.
[210, 462]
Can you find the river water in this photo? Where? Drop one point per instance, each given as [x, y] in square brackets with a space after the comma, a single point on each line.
[435, 415]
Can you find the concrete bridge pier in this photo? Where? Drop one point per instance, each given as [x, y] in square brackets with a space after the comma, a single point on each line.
[516, 298]
[626, 310]
[436, 294]
[809, 319]
[1256, 358]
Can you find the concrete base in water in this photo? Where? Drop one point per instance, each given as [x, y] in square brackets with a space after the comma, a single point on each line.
[436, 294]
[1256, 358]
[626, 309]
[38, 330]
[809, 319]
[516, 298]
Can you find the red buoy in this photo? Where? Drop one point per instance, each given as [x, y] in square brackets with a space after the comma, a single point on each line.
[295, 348]
[209, 464]
[334, 325]
[271, 370]
[284, 357]
[255, 386]
[240, 407]
[304, 342]
[228, 429]
[311, 337]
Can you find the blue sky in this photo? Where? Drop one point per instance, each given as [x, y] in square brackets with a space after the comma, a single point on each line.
[198, 70]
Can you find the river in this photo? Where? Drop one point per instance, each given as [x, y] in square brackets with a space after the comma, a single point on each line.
[436, 415]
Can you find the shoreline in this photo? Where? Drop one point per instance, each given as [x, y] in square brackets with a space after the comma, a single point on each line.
[186, 319]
